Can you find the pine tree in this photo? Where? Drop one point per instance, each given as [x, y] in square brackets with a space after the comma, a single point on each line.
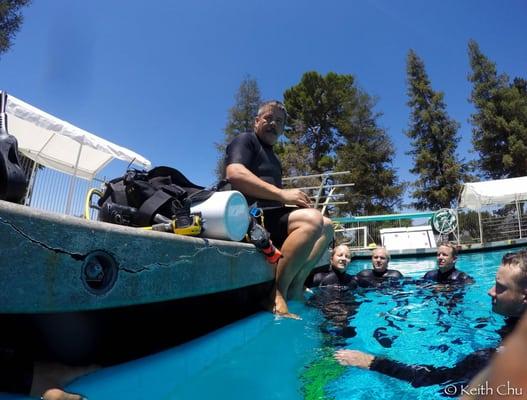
[10, 21]
[434, 142]
[241, 118]
[368, 154]
[499, 131]
[333, 127]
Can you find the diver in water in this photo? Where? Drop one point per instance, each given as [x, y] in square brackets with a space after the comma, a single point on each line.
[506, 375]
[336, 273]
[334, 295]
[379, 273]
[509, 298]
[446, 271]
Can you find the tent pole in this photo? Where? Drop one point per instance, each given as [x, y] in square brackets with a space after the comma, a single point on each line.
[457, 219]
[480, 227]
[72, 182]
[519, 218]
[29, 191]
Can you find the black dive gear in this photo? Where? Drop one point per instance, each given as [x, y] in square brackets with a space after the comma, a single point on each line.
[258, 236]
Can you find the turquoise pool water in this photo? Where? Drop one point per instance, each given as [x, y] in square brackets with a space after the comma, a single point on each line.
[262, 357]
[422, 326]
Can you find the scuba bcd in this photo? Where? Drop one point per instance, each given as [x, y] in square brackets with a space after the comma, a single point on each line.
[154, 199]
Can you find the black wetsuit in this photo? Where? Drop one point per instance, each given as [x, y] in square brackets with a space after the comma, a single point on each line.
[334, 296]
[451, 276]
[371, 278]
[332, 278]
[16, 372]
[259, 158]
[426, 375]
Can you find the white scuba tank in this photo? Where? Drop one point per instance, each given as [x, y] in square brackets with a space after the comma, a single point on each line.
[225, 215]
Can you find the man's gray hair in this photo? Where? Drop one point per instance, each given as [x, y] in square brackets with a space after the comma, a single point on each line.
[272, 103]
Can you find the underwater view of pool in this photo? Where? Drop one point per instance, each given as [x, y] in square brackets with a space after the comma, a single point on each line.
[263, 357]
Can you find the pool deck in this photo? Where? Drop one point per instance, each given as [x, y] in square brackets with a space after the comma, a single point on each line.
[463, 248]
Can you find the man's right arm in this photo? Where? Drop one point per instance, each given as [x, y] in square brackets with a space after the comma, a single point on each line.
[417, 375]
[248, 183]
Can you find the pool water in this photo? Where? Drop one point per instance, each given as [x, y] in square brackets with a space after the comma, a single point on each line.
[416, 324]
[263, 357]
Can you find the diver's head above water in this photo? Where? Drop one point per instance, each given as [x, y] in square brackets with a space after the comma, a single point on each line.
[446, 257]
[379, 260]
[340, 258]
[509, 294]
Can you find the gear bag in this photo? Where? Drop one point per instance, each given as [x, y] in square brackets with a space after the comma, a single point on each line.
[139, 197]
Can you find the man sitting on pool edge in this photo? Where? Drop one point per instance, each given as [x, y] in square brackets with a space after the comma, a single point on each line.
[509, 298]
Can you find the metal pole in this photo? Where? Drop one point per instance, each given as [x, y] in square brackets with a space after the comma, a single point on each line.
[457, 219]
[325, 204]
[480, 227]
[319, 193]
[32, 179]
[72, 182]
[519, 218]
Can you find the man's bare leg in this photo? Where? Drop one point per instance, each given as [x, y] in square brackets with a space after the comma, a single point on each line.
[304, 228]
[296, 289]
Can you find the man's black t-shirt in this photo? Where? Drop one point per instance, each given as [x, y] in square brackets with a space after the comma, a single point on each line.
[259, 158]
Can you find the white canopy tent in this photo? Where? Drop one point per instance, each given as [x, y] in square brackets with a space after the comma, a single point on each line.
[59, 145]
[475, 195]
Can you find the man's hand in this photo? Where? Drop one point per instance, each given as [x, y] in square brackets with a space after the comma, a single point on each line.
[295, 197]
[354, 358]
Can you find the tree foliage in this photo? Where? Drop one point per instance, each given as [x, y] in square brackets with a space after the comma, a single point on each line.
[434, 142]
[10, 21]
[499, 124]
[241, 117]
[332, 127]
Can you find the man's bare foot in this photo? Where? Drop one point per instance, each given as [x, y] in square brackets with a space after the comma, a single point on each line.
[57, 394]
[288, 315]
[280, 307]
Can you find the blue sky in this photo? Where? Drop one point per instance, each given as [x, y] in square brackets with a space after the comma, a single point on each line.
[159, 76]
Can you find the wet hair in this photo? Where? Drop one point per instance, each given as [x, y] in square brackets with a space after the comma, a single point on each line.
[449, 245]
[334, 249]
[518, 259]
[388, 257]
[272, 103]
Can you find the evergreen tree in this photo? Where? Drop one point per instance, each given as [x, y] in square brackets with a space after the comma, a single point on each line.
[434, 142]
[499, 130]
[368, 154]
[241, 117]
[332, 127]
[10, 21]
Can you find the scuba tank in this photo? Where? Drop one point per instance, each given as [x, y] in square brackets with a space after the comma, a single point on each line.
[225, 215]
[13, 182]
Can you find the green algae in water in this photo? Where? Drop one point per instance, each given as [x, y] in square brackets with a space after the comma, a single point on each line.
[318, 374]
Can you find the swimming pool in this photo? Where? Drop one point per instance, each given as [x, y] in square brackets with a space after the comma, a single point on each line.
[264, 358]
[416, 324]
